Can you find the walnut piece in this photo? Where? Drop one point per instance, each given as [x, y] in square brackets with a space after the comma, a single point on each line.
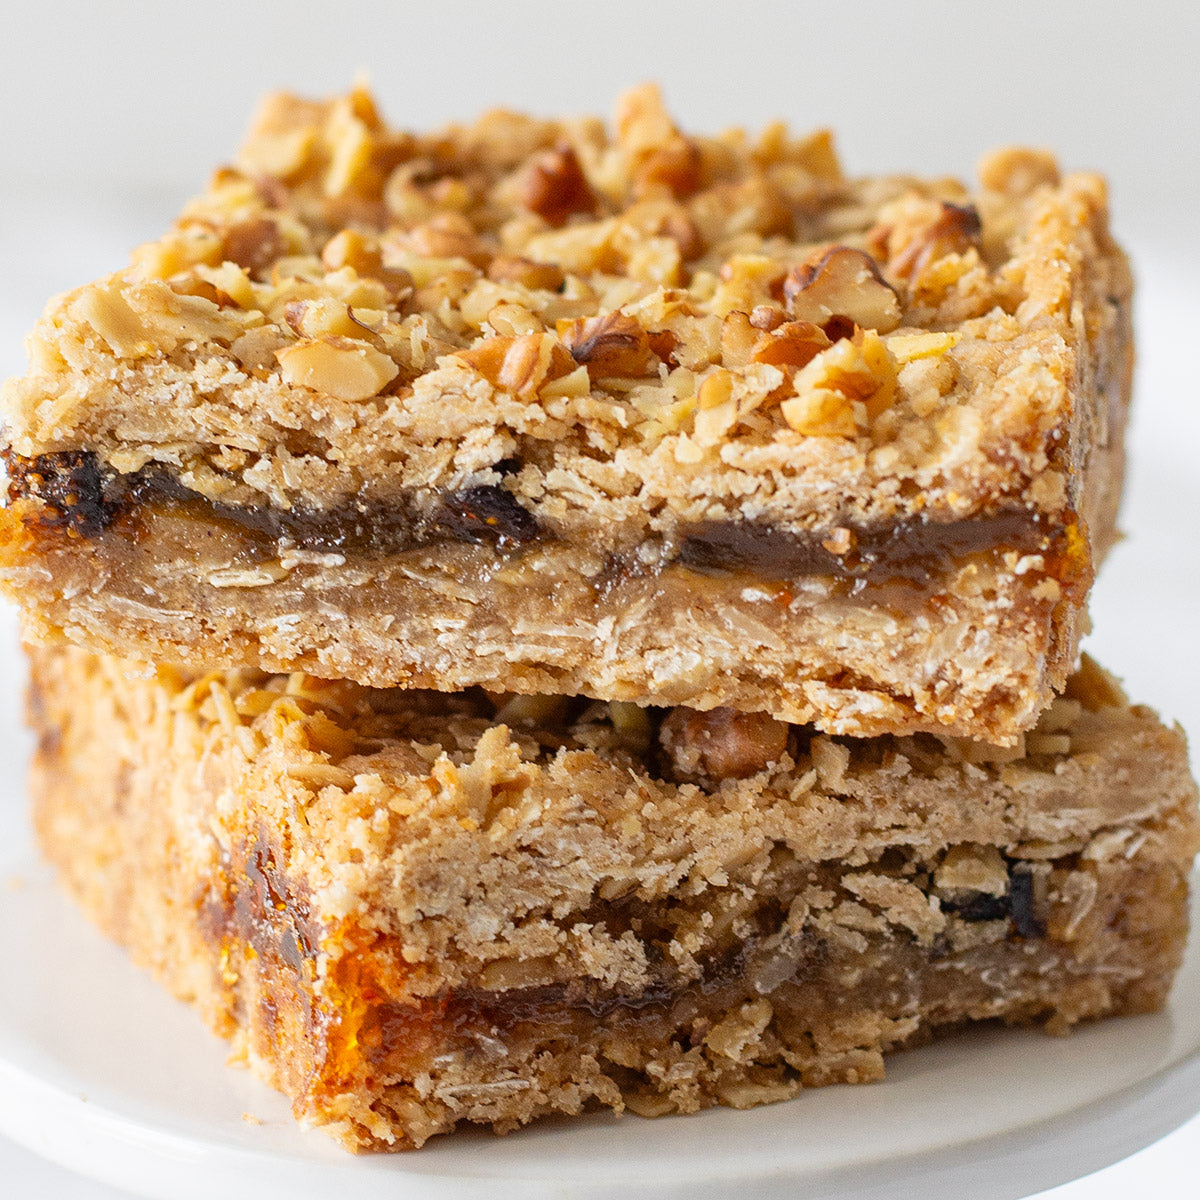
[661, 157]
[349, 248]
[707, 747]
[792, 344]
[955, 230]
[520, 364]
[843, 282]
[337, 366]
[254, 244]
[612, 345]
[512, 268]
[554, 186]
[1017, 171]
[843, 389]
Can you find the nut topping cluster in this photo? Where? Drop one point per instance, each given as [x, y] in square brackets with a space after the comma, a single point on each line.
[705, 289]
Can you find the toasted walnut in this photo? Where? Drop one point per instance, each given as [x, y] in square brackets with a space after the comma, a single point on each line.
[511, 268]
[256, 348]
[767, 317]
[329, 318]
[520, 365]
[716, 410]
[352, 249]
[350, 143]
[738, 338]
[659, 155]
[821, 413]
[842, 282]
[513, 320]
[843, 389]
[151, 319]
[663, 216]
[449, 235]
[282, 136]
[337, 366]
[193, 285]
[707, 747]
[955, 230]
[612, 345]
[748, 281]
[792, 344]
[231, 281]
[678, 167]
[254, 244]
[654, 260]
[1017, 172]
[554, 186]
[664, 343]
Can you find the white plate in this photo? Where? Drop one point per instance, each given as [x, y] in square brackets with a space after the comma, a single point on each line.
[102, 1072]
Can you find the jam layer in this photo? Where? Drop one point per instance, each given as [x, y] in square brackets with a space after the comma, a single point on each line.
[85, 500]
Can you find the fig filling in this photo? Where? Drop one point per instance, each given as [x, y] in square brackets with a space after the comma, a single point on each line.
[258, 907]
[85, 500]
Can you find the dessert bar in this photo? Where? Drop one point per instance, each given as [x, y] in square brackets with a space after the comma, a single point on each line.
[410, 909]
[558, 407]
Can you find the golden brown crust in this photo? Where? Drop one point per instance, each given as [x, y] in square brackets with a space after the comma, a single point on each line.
[412, 909]
[1023, 291]
[618, 336]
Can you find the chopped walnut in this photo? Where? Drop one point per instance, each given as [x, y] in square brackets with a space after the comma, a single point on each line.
[283, 136]
[611, 345]
[664, 217]
[707, 747]
[843, 389]
[449, 235]
[955, 230]
[352, 249]
[791, 344]
[906, 348]
[337, 366]
[748, 282]
[554, 186]
[1018, 171]
[660, 156]
[716, 410]
[254, 244]
[738, 339]
[843, 282]
[512, 268]
[520, 365]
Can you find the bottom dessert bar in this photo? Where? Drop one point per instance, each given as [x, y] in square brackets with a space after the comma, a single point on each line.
[410, 910]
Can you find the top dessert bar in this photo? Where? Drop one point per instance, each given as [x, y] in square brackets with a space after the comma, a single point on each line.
[548, 406]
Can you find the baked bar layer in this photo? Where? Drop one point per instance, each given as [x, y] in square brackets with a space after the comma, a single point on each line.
[602, 362]
[410, 910]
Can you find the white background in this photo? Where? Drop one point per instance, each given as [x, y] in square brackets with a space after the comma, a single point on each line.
[111, 114]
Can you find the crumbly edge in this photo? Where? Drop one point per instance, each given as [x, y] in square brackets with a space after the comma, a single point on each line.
[277, 849]
[976, 654]
[978, 373]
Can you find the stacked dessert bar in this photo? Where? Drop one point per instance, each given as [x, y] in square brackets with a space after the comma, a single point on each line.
[546, 615]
